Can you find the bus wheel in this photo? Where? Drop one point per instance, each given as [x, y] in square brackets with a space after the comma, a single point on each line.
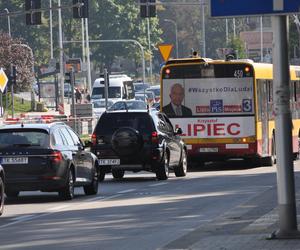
[270, 160]
[297, 155]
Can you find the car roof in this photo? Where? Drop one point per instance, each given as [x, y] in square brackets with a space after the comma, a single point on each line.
[45, 126]
[154, 87]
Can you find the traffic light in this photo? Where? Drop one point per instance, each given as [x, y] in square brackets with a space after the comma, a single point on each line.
[146, 9]
[68, 77]
[34, 18]
[82, 11]
[13, 75]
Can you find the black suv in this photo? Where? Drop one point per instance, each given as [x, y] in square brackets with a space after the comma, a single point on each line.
[138, 140]
[47, 157]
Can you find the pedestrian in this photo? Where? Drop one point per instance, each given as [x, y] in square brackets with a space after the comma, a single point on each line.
[87, 96]
[78, 95]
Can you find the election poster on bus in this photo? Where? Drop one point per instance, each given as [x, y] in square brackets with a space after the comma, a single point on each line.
[210, 96]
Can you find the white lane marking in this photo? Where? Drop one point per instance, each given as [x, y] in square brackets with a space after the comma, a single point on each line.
[126, 191]
[23, 217]
[53, 210]
[57, 208]
[158, 184]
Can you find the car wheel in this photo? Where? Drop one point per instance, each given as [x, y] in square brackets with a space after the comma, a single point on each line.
[270, 160]
[12, 194]
[67, 192]
[117, 173]
[92, 188]
[1, 195]
[101, 176]
[182, 167]
[162, 173]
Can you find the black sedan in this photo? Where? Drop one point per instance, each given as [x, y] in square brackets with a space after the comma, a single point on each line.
[1, 189]
[46, 157]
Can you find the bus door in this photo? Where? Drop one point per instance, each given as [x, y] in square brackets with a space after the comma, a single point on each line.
[263, 115]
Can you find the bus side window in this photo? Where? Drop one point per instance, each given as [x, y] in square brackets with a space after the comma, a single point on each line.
[259, 84]
[270, 91]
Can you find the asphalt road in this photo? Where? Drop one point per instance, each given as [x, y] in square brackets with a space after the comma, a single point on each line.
[137, 212]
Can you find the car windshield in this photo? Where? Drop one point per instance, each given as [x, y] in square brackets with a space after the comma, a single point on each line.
[140, 86]
[149, 95]
[113, 92]
[24, 138]
[156, 91]
[101, 104]
[133, 105]
[140, 97]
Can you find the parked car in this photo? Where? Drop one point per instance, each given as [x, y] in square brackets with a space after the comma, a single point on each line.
[140, 86]
[99, 106]
[149, 96]
[138, 140]
[156, 90]
[128, 105]
[68, 90]
[2, 189]
[46, 157]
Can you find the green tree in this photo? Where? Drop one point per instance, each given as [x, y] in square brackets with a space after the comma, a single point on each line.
[13, 51]
[238, 46]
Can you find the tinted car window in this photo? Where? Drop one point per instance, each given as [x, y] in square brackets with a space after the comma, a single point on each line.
[32, 137]
[75, 137]
[110, 122]
[58, 141]
[67, 136]
[169, 125]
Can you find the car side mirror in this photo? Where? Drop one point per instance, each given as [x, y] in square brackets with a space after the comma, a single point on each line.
[178, 131]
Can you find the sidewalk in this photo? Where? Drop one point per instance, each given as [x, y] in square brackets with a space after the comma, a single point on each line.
[247, 227]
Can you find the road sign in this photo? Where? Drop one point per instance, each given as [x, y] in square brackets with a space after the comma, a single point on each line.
[225, 8]
[165, 50]
[3, 80]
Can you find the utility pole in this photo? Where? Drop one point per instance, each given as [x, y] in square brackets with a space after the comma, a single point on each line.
[89, 87]
[150, 51]
[61, 62]
[283, 132]
[203, 29]
[51, 29]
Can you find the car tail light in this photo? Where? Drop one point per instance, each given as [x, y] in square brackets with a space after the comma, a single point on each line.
[154, 137]
[56, 157]
[94, 139]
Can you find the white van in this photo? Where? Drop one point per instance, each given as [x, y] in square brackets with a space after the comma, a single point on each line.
[120, 87]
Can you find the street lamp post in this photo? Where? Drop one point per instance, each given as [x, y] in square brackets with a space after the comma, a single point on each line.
[176, 37]
[51, 29]
[8, 21]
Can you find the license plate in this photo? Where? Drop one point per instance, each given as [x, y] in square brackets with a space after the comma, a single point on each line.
[14, 160]
[109, 161]
[209, 150]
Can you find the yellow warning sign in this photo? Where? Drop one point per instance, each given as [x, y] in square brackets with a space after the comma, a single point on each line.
[3, 80]
[165, 50]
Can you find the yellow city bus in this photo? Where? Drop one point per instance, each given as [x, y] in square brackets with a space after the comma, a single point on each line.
[231, 105]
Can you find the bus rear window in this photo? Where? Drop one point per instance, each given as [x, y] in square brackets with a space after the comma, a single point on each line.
[235, 70]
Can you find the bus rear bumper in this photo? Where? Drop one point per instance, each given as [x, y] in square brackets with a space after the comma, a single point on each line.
[222, 151]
